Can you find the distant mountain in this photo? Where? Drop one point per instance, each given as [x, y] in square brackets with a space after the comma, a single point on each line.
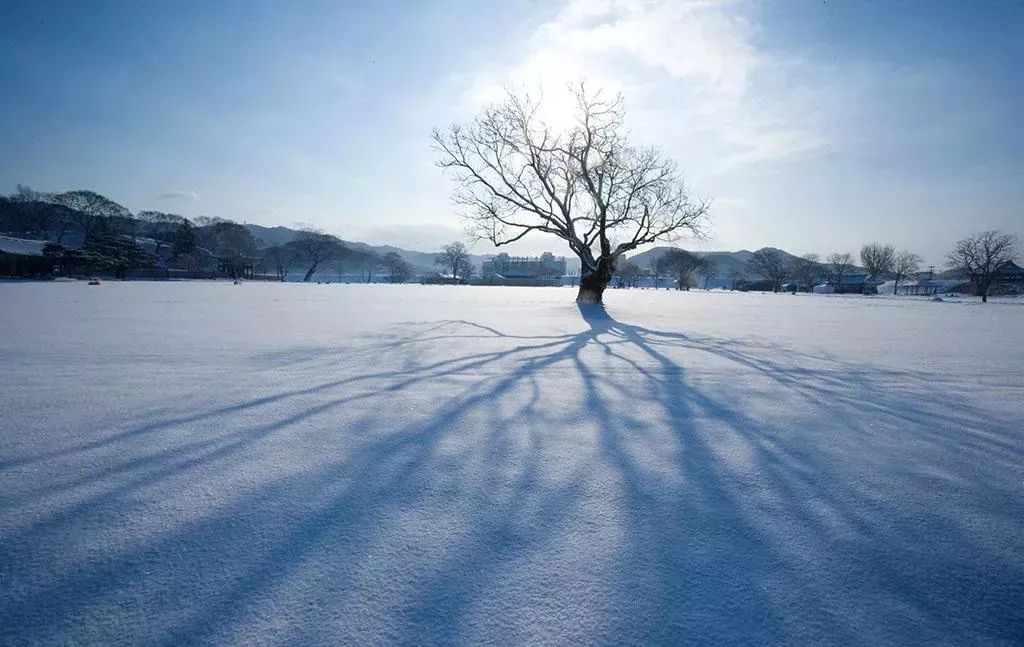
[272, 236]
[421, 262]
[725, 262]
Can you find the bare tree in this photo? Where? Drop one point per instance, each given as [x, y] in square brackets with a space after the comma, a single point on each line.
[19, 213]
[658, 271]
[905, 264]
[681, 264]
[806, 270]
[90, 210]
[841, 263]
[585, 184]
[980, 257]
[772, 264]
[708, 270]
[398, 269]
[161, 227]
[281, 258]
[736, 278]
[455, 258]
[629, 273]
[25, 193]
[315, 247]
[877, 259]
[186, 244]
[33, 214]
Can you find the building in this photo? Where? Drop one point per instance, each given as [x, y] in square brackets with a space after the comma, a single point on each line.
[925, 286]
[21, 257]
[1009, 272]
[503, 266]
[851, 284]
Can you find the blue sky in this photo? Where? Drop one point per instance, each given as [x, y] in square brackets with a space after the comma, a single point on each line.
[815, 126]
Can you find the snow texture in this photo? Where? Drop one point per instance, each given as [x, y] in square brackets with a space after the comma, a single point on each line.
[21, 247]
[190, 463]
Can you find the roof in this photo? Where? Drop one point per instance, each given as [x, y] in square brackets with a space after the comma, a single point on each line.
[518, 274]
[22, 246]
[856, 279]
[1009, 268]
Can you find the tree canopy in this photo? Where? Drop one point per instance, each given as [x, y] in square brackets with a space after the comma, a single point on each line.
[586, 184]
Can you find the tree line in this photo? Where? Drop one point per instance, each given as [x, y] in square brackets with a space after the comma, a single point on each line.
[977, 258]
[587, 184]
[88, 231]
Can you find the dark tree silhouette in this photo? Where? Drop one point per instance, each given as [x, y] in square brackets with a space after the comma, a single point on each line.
[186, 243]
[980, 256]
[116, 253]
[281, 258]
[877, 259]
[806, 269]
[454, 258]
[90, 211]
[586, 184]
[904, 264]
[736, 279]
[630, 274]
[315, 247]
[398, 269]
[841, 264]
[680, 264]
[771, 264]
[708, 270]
[161, 227]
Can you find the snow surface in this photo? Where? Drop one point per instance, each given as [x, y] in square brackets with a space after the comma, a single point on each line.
[21, 246]
[349, 464]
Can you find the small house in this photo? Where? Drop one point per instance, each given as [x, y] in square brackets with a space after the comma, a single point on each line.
[1009, 272]
[851, 284]
[24, 258]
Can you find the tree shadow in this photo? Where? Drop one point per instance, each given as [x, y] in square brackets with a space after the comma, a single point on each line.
[595, 486]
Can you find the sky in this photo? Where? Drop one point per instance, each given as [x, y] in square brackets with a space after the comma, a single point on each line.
[812, 126]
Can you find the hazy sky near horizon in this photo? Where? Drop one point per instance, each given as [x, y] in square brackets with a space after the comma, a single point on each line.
[814, 126]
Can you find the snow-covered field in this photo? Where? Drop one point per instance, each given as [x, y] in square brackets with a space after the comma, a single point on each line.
[344, 464]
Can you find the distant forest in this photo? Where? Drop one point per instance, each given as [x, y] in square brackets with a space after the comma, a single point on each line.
[86, 233]
[90, 233]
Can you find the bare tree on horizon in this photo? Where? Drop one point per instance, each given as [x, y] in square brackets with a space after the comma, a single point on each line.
[681, 264]
[455, 257]
[905, 264]
[772, 264]
[586, 184]
[316, 247]
[980, 256]
[806, 269]
[877, 259]
[842, 263]
[90, 210]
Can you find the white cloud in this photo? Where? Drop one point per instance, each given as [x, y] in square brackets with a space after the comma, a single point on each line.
[186, 194]
[691, 72]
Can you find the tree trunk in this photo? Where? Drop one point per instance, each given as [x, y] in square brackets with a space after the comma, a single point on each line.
[593, 284]
[309, 273]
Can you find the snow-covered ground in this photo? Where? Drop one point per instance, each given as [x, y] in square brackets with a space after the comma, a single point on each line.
[350, 464]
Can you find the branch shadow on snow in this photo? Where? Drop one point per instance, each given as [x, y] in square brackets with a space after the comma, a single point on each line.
[627, 499]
